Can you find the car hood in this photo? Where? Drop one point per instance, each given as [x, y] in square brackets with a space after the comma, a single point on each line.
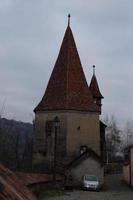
[91, 182]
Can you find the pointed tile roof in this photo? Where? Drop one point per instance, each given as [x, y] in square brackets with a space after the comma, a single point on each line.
[94, 88]
[67, 88]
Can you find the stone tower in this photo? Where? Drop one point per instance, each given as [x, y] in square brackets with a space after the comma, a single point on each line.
[77, 106]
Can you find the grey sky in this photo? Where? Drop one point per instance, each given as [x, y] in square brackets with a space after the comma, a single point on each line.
[31, 32]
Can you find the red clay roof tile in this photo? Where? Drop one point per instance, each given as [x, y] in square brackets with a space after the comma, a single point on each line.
[12, 188]
[94, 88]
[33, 178]
[67, 88]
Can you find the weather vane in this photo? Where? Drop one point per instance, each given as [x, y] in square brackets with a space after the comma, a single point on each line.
[69, 19]
[94, 69]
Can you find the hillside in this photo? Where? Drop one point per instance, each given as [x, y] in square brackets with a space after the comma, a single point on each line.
[16, 141]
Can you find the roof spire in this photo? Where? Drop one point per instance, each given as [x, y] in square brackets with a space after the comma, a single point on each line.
[94, 69]
[67, 90]
[94, 86]
[69, 19]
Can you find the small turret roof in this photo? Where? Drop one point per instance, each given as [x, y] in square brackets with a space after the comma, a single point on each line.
[67, 88]
[94, 88]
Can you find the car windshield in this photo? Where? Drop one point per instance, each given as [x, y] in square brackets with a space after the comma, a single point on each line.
[90, 178]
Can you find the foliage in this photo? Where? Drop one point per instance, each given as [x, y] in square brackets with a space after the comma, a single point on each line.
[128, 134]
[118, 140]
[113, 138]
[15, 144]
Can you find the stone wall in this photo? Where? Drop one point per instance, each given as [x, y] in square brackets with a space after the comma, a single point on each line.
[76, 129]
[83, 129]
[43, 143]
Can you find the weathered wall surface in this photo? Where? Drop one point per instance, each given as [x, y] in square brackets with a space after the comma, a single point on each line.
[83, 129]
[76, 129]
[45, 142]
[90, 167]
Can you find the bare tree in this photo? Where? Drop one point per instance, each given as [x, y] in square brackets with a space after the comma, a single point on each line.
[128, 134]
[113, 137]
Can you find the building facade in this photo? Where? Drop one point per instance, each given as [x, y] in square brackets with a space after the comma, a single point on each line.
[77, 106]
[86, 163]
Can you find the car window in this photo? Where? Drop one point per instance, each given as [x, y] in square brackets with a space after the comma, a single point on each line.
[90, 178]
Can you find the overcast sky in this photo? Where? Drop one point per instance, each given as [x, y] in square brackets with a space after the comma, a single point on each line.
[31, 32]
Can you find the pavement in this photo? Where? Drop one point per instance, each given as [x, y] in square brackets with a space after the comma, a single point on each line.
[114, 189]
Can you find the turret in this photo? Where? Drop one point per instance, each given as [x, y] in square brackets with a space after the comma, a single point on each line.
[94, 88]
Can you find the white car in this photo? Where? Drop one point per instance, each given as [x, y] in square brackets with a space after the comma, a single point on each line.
[91, 182]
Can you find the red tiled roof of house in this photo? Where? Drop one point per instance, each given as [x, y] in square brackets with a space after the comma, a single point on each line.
[94, 88]
[12, 188]
[33, 178]
[67, 88]
[87, 154]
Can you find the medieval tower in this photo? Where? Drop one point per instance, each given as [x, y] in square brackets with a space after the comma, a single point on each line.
[76, 105]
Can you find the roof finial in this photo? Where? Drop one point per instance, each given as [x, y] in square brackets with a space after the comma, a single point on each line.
[94, 69]
[69, 19]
